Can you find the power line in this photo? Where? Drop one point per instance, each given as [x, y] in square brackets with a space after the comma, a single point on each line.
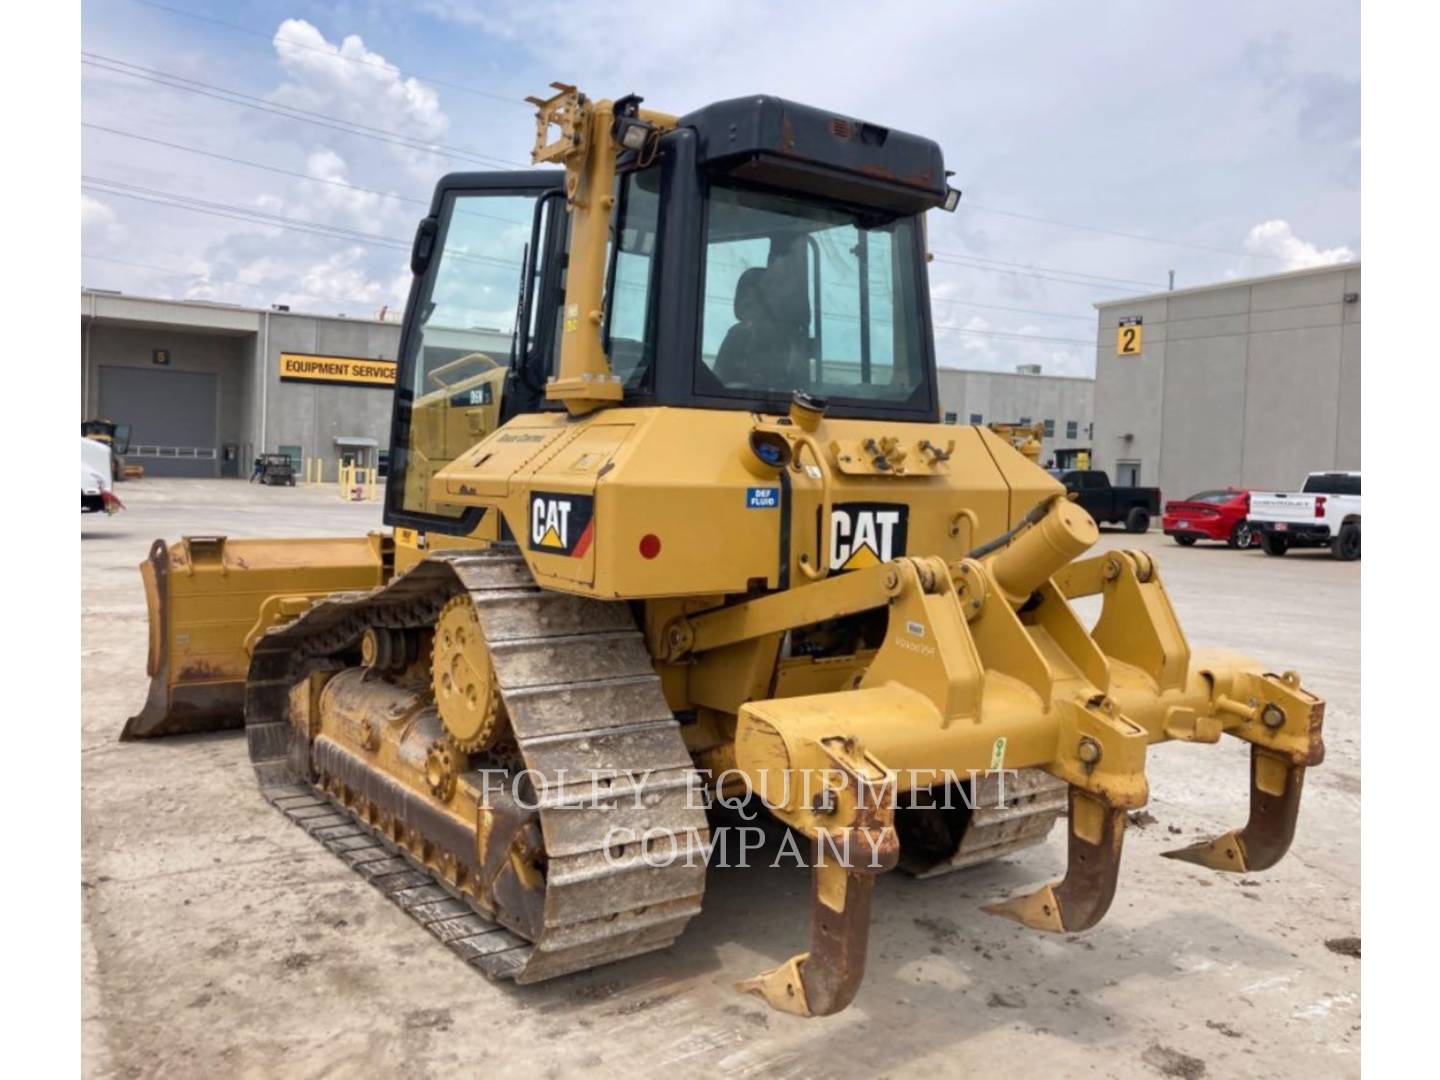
[1051, 270]
[335, 55]
[251, 164]
[253, 216]
[246, 213]
[255, 285]
[289, 112]
[289, 172]
[1117, 232]
[1015, 310]
[1012, 337]
[1041, 277]
[945, 256]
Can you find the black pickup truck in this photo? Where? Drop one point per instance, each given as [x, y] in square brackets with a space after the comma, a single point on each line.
[1132, 507]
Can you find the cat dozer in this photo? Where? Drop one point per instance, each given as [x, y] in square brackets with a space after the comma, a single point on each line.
[699, 533]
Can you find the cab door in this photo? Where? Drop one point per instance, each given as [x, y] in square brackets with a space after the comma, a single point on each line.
[479, 332]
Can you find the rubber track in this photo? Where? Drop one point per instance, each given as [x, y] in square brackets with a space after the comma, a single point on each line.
[581, 693]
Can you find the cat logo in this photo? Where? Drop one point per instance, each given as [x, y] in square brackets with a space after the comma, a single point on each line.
[561, 524]
[866, 534]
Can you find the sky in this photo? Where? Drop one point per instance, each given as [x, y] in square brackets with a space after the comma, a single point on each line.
[1099, 147]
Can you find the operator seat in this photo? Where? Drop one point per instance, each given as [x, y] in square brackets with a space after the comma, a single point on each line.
[762, 350]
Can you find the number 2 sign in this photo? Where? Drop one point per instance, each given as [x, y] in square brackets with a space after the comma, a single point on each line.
[1130, 336]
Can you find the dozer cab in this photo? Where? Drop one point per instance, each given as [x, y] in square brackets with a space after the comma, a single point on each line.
[699, 533]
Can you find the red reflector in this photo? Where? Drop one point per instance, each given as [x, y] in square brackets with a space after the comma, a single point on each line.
[649, 545]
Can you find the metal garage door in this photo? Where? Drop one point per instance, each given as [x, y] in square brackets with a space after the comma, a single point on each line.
[171, 416]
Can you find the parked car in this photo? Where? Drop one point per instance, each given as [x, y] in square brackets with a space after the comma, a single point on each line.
[1132, 507]
[1324, 512]
[1211, 515]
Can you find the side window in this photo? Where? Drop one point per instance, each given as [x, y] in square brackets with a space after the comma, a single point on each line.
[457, 353]
[1072, 429]
[1049, 429]
[951, 418]
[628, 342]
[977, 418]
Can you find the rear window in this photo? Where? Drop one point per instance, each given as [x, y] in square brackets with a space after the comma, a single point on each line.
[1332, 484]
[1212, 497]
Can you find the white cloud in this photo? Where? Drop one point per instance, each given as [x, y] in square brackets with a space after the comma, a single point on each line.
[94, 212]
[98, 219]
[353, 83]
[1277, 238]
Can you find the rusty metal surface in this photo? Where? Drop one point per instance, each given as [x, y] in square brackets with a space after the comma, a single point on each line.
[1081, 898]
[598, 906]
[1267, 834]
[825, 978]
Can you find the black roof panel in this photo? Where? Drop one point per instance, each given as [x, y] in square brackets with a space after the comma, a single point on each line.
[800, 147]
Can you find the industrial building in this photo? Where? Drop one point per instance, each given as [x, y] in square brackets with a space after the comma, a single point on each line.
[205, 387]
[1251, 383]
[1064, 404]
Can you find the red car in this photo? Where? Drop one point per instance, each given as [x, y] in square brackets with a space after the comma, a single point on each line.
[1211, 515]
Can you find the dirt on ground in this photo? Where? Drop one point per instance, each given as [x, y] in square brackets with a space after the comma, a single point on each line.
[218, 938]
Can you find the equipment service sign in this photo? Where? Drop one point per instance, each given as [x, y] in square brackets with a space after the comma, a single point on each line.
[336, 369]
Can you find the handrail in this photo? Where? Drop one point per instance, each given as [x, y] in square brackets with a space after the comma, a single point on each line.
[822, 560]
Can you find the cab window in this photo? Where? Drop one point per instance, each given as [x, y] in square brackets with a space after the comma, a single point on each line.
[464, 339]
[801, 295]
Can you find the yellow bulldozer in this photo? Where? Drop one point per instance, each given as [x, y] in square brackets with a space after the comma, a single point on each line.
[699, 537]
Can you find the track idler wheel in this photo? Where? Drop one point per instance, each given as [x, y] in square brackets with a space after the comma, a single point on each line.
[1080, 899]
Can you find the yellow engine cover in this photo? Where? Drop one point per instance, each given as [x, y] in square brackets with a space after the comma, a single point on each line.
[662, 502]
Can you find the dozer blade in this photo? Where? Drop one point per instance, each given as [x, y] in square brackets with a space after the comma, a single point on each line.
[210, 598]
[1080, 899]
[1275, 787]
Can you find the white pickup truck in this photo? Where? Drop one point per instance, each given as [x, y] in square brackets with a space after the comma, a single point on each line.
[1323, 513]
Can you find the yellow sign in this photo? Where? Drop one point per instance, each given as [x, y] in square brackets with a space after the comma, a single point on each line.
[1130, 337]
[337, 369]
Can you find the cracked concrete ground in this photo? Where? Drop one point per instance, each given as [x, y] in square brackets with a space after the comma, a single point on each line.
[218, 938]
